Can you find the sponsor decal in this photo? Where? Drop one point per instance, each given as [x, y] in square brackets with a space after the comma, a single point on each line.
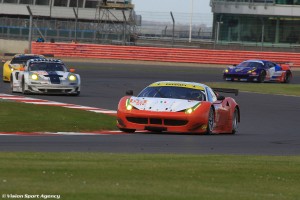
[138, 102]
[175, 84]
[43, 73]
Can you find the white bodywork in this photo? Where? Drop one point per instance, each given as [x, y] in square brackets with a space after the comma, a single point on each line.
[161, 104]
[52, 82]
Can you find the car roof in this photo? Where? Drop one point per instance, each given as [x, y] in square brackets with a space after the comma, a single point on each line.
[259, 61]
[192, 85]
[28, 55]
[45, 60]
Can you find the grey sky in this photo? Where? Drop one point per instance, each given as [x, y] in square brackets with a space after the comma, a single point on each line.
[183, 6]
[159, 10]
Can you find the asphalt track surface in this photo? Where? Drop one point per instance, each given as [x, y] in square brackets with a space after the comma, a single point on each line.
[269, 123]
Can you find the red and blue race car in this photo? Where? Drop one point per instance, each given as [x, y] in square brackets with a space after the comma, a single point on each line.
[259, 71]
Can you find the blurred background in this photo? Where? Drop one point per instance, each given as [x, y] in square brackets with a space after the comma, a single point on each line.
[228, 24]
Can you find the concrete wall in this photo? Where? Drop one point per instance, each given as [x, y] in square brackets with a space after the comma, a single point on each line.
[13, 46]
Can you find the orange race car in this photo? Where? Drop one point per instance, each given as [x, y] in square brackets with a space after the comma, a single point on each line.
[183, 107]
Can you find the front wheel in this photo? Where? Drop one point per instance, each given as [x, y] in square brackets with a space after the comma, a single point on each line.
[261, 77]
[76, 94]
[12, 84]
[210, 123]
[24, 88]
[235, 121]
[287, 77]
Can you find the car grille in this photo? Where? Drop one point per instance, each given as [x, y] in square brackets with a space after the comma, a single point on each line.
[157, 121]
[55, 91]
[173, 122]
[138, 120]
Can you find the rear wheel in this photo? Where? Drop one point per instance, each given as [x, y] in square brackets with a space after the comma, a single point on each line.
[287, 77]
[125, 130]
[261, 77]
[211, 121]
[235, 121]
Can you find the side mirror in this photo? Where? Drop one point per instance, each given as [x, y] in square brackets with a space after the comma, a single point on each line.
[72, 70]
[220, 98]
[129, 92]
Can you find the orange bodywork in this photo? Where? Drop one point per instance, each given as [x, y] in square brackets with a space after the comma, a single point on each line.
[180, 122]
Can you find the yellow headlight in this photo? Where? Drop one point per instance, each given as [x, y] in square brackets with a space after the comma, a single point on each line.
[129, 107]
[34, 77]
[189, 111]
[226, 71]
[72, 78]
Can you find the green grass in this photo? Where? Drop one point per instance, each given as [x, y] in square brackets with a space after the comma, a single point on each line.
[143, 176]
[23, 117]
[265, 88]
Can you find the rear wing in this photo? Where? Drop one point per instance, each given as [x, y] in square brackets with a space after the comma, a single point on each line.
[226, 90]
[285, 63]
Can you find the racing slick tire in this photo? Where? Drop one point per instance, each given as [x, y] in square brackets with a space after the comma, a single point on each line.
[125, 130]
[76, 94]
[261, 77]
[11, 84]
[23, 88]
[235, 121]
[287, 77]
[211, 121]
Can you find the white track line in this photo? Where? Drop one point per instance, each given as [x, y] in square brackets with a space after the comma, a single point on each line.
[54, 103]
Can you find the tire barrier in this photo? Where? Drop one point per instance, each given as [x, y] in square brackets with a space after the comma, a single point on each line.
[183, 55]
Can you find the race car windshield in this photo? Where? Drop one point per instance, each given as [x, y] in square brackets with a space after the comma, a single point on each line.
[251, 64]
[173, 93]
[47, 67]
[23, 59]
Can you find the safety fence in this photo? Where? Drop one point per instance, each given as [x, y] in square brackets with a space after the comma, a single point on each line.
[184, 55]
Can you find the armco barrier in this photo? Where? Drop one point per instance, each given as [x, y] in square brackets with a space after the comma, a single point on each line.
[224, 57]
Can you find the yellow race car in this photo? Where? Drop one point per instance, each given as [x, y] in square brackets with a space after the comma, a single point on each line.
[16, 63]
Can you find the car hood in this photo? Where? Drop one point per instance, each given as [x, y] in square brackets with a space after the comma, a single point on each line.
[162, 104]
[45, 74]
[241, 70]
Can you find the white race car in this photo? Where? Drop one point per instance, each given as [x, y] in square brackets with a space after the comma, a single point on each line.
[49, 76]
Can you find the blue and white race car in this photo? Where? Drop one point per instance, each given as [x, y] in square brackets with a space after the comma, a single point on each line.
[48, 76]
[259, 71]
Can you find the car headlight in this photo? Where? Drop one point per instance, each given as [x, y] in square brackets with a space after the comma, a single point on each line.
[34, 77]
[72, 78]
[192, 109]
[11, 68]
[128, 105]
[189, 110]
[252, 71]
[226, 71]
